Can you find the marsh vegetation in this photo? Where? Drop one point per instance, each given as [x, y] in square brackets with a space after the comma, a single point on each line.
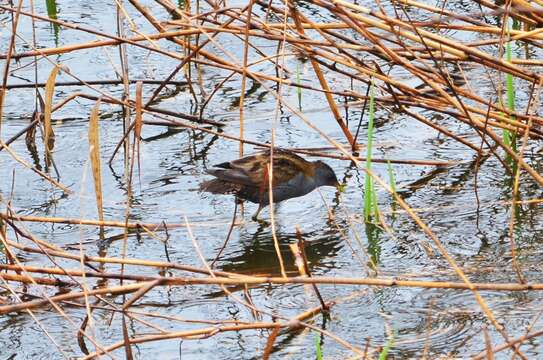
[428, 113]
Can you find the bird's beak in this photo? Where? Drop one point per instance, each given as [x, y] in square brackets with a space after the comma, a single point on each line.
[340, 187]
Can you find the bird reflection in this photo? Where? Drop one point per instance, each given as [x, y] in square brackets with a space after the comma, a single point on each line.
[257, 255]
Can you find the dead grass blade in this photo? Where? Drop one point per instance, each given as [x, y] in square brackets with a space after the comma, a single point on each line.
[48, 133]
[94, 154]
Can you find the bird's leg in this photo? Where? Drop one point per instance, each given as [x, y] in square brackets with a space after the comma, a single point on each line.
[255, 216]
[239, 202]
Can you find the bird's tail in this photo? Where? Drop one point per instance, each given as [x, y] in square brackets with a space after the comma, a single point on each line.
[217, 186]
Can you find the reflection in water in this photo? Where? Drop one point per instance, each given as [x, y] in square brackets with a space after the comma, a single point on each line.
[252, 90]
[258, 256]
[373, 233]
[170, 131]
[168, 93]
[30, 141]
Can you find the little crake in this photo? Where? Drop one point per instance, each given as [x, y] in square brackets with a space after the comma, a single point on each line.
[248, 178]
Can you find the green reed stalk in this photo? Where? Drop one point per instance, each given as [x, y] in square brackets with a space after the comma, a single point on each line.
[390, 343]
[51, 6]
[370, 196]
[318, 346]
[508, 136]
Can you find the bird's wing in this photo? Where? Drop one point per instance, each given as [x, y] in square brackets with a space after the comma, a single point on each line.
[253, 170]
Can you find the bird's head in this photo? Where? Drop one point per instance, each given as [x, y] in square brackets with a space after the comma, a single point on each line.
[324, 175]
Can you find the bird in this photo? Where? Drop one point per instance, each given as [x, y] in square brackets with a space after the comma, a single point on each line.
[248, 178]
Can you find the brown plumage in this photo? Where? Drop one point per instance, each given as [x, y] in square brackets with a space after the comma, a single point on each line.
[248, 177]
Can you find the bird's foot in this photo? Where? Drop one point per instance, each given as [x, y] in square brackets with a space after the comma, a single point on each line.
[255, 216]
[257, 219]
[263, 223]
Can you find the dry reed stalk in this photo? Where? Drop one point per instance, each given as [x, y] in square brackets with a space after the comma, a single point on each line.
[94, 154]
[48, 299]
[170, 122]
[152, 281]
[303, 268]
[115, 290]
[141, 288]
[511, 343]
[269, 344]
[210, 331]
[106, 223]
[488, 344]
[418, 221]
[25, 279]
[292, 322]
[127, 261]
[244, 79]
[138, 125]
[148, 110]
[94, 82]
[48, 133]
[322, 80]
